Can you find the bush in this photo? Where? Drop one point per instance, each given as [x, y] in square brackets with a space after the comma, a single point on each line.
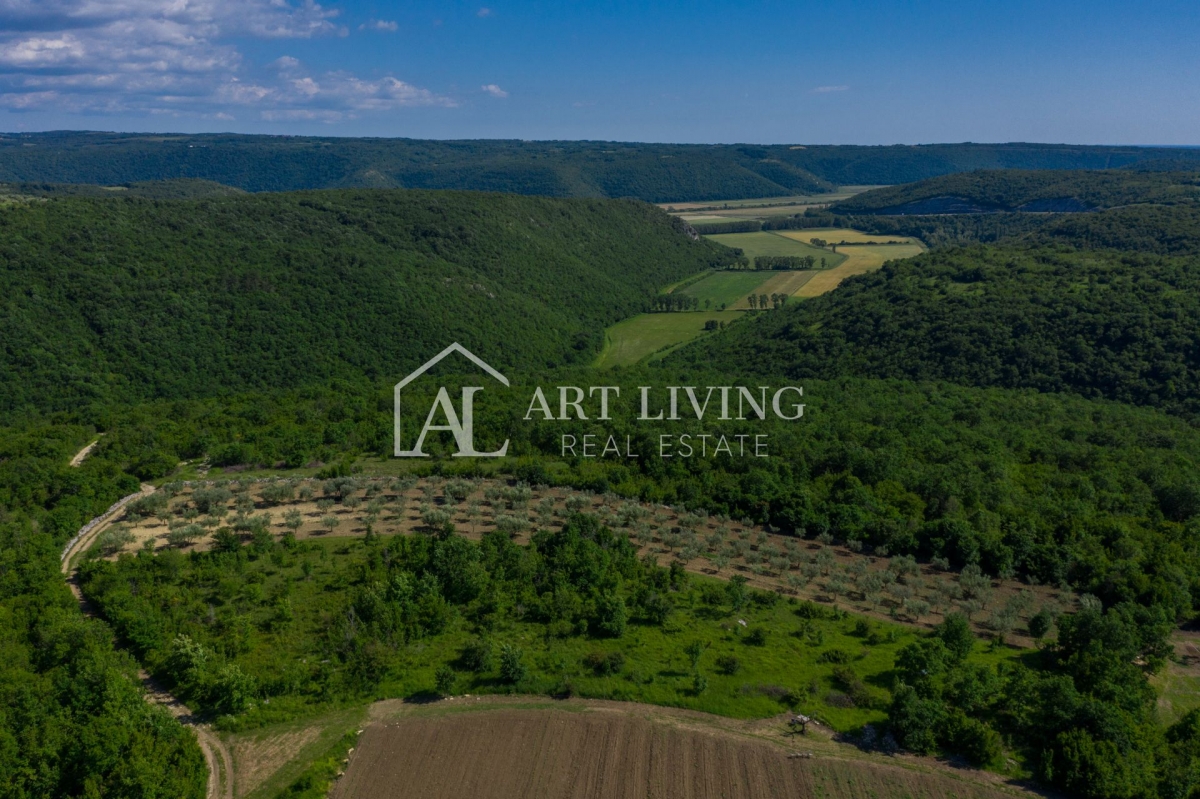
[605, 664]
[809, 610]
[835, 655]
[611, 615]
[512, 665]
[728, 665]
[112, 540]
[955, 633]
[915, 721]
[974, 740]
[477, 656]
[443, 680]
[756, 636]
[1040, 624]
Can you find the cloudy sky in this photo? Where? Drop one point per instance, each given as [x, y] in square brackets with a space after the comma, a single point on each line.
[701, 71]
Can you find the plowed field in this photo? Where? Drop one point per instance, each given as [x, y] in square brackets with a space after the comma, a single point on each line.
[606, 755]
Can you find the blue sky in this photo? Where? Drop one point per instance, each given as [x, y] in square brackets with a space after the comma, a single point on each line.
[830, 72]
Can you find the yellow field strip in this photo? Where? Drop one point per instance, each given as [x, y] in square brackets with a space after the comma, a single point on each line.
[860, 259]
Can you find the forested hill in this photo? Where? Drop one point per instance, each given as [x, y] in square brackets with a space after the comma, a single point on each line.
[989, 191]
[652, 172]
[1118, 325]
[113, 300]
[173, 189]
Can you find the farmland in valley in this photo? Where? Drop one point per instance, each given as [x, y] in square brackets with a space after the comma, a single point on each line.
[726, 288]
[864, 252]
[639, 337]
[774, 243]
[635, 339]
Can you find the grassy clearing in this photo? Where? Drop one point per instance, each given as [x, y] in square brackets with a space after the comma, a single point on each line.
[776, 243]
[645, 335]
[727, 288]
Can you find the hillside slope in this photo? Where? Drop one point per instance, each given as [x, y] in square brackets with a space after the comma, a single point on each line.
[1099, 324]
[128, 299]
[1025, 190]
[651, 172]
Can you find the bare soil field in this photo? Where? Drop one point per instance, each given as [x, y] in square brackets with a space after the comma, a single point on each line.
[914, 593]
[614, 750]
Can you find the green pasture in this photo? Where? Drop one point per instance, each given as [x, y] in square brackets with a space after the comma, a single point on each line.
[726, 287]
[632, 340]
[768, 242]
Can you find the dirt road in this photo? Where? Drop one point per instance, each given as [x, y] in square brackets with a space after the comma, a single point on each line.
[216, 755]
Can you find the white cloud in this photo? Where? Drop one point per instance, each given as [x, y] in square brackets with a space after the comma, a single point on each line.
[179, 57]
[389, 26]
[484, 12]
[493, 90]
[827, 89]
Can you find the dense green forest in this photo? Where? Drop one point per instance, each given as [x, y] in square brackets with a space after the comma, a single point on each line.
[73, 721]
[1026, 190]
[1150, 228]
[175, 189]
[131, 299]
[651, 172]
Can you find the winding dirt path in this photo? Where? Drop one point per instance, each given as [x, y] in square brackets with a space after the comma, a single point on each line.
[83, 453]
[216, 754]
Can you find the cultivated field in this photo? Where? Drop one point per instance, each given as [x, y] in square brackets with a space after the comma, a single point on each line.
[727, 288]
[759, 208]
[639, 337]
[608, 751]
[844, 235]
[788, 283]
[777, 243]
[860, 257]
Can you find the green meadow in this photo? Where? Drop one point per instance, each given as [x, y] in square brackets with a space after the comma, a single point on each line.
[766, 242]
[726, 287]
[632, 340]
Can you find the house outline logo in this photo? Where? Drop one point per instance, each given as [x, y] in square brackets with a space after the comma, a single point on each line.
[462, 427]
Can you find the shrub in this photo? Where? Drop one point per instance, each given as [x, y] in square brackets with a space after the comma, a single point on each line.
[604, 664]
[512, 664]
[728, 665]
[611, 615]
[113, 539]
[443, 680]
[756, 636]
[955, 633]
[477, 656]
[835, 655]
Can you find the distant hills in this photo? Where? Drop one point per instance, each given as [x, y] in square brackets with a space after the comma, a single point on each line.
[651, 172]
[991, 191]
